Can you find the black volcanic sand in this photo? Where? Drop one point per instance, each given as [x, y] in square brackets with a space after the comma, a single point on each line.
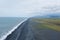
[29, 30]
[23, 32]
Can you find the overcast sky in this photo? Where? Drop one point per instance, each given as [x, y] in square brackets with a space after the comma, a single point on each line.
[27, 8]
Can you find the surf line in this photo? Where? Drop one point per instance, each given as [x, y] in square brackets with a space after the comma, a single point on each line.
[4, 36]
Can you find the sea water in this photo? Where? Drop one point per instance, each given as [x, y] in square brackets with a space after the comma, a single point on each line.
[8, 23]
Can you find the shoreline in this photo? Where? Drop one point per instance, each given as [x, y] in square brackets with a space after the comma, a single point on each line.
[23, 32]
[5, 36]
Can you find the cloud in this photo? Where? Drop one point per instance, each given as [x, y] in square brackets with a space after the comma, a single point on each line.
[28, 7]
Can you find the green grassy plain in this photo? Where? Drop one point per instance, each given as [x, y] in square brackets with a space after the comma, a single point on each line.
[47, 23]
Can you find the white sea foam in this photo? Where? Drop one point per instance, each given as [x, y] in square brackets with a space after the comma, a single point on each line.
[4, 36]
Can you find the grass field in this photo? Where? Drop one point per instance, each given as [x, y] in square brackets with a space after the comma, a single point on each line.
[47, 23]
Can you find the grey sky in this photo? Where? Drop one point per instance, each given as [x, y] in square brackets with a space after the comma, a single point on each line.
[28, 7]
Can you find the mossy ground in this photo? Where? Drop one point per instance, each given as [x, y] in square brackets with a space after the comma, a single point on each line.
[47, 23]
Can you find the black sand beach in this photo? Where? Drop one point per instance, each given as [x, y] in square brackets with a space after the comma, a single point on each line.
[29, 30]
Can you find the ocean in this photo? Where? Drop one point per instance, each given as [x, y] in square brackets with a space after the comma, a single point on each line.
[8, 23]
